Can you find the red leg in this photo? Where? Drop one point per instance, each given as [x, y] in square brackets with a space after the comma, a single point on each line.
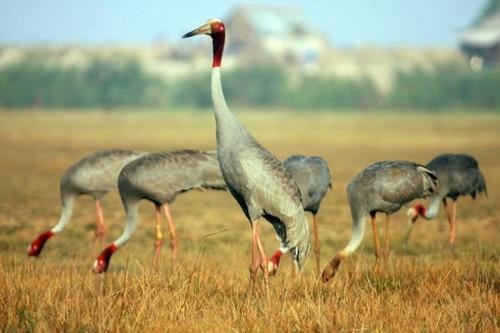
[171, 228]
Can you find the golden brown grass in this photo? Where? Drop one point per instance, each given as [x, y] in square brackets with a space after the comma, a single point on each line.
[426, 287]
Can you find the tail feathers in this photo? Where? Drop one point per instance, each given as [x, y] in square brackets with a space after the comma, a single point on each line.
[431, 183]
[481, 187]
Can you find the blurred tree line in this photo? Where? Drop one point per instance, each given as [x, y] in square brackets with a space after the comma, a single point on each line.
[124, 83]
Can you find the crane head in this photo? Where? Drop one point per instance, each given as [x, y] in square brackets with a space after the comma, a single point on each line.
[36, 246]
[414, 212]
[330, 269]
[102, 261]
[212, 28]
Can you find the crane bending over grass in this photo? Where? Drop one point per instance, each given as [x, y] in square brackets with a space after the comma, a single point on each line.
[256, 178]
[160, 178]
[312, 175]
[382, 187]
[459, 175]
[94, 175]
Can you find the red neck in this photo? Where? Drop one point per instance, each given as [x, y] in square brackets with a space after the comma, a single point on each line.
[218, 48]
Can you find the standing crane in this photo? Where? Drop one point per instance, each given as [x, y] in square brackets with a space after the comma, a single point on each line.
[382, 187]
[256, 178]
[94, 175]
[160, 178]
[312, 175]
[459, 175]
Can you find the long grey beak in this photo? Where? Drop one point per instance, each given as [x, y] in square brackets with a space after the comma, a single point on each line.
[204, 29]
[408, 232]
[190, 34]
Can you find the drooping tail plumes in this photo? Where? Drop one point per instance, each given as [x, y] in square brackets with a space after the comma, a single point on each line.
[431, 182]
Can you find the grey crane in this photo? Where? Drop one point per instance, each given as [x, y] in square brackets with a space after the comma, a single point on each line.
[382, 187]
[256, 178]
[93, 175]
[160, 178]
[459, 175]
[312, 175]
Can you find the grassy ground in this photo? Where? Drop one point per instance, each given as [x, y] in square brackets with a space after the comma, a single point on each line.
[426, 287]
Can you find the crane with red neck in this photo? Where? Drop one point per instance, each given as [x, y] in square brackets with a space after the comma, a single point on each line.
[254, 176]
[383, 187]
[459, 175]
[94, 175]
[160, 178]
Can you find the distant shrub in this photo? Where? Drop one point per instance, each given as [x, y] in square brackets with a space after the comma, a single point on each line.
[449, 85]
[100, 84]
[123, 83]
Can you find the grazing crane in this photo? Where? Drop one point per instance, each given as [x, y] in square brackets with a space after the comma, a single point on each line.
[256, 178]
[159, 178]
[312, 175]
[459, 175]
[94, 175]
[382, 187]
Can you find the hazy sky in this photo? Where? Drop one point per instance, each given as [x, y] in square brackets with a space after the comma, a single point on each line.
[346, 22]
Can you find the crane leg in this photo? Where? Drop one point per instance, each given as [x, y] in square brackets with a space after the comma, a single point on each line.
[316, 243]
[263, 261]
[386, 239]
[171, 228]
[158, 235]
[376, 243]
[254, 265]
[101, 229]
[446, 211]
[453, 221]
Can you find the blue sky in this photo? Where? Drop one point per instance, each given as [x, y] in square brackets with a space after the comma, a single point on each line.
[346, 23]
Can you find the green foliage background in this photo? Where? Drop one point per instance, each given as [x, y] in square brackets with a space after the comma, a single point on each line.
[124, 83]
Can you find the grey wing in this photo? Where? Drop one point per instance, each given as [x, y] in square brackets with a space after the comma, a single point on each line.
[401, 185]
[272, 188]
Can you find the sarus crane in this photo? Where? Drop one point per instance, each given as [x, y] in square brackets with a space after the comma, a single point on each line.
[312, 175]
[382, 187]
[255, 177]
[160, 178]
[93, 175]
[459, 175]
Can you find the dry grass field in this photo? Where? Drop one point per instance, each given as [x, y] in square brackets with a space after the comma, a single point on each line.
[426, 287]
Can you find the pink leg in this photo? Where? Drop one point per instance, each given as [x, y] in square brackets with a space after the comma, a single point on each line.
[453, 221]
[376, 244]
[446, 210]
[158, 236]
[171, 228]
[255, 253]
[386, 239]
[101, 229]
[263, 261]
[316, 243]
